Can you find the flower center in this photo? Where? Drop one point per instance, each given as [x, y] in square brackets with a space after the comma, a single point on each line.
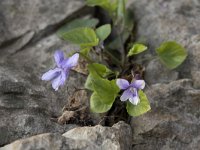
[132, 90]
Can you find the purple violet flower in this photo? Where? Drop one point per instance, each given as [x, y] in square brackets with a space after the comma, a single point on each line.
[130, 90]
[58, 75]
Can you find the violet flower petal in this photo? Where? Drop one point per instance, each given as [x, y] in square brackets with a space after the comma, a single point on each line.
[134, 99]
[56, 83]
[60, 74]
[60, 80]
[138, 84]
[64, 75]
[59, 57]
[122, 84]
[126, 95]
[51, 74]
[71, 61]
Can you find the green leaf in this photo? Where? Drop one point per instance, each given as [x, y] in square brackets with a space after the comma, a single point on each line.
[136, 49]
[106, 90]
[96, 104]
[171, 54]
[84, 37]
[121, 10]
[88, 84]
[128, 27]
[100, 69]
[96, 70]
[97, 2]
[142, 107]
[103, 32]
[77, 23]
[129, 22]
[108, 5]
[115, 44]
[85, 51]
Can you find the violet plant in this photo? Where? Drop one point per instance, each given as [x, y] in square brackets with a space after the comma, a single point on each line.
[110, 61]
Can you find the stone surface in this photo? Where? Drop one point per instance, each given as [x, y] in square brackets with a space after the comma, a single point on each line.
[46, 141]
[27, 104]
[196, 80]
[173, 123]
[156, 72]
[162, 20]
[117, 137]
[19, 17]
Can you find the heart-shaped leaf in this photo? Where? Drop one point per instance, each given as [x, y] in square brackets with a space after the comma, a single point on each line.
[142, 107]
[96, 70]
[171, 54]
[96, 104]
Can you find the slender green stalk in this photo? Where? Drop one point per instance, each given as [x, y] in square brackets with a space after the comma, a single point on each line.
[122, 50]
[113, 57]
[91, 61]
[87, 58]
[147, 59]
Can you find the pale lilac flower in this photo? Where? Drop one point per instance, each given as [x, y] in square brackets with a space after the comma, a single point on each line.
[58, 75]
[130, 90]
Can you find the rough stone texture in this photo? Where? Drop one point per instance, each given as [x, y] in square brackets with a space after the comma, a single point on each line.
[19, 17]
[155, 72]
[117, 137]
[48, 141]
[26, 103]
[162, 20]
[173, 122]
[195, 77]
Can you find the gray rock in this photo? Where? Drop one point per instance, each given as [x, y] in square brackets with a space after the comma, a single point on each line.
[27, 104]
[117, 137]
[156, 72]
[16, 46]
[48, 141]
[173, 123]
[19, 17]
[196, 80]
[161, 20]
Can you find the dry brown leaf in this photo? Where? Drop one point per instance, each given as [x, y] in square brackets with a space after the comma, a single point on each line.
[82, 66]
[66, 116]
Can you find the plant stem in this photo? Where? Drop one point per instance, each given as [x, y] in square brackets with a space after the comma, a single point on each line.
[91, 61]
[87, 58]
[122, 49]
[113, 57]
[101, 55]
[147, 58]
